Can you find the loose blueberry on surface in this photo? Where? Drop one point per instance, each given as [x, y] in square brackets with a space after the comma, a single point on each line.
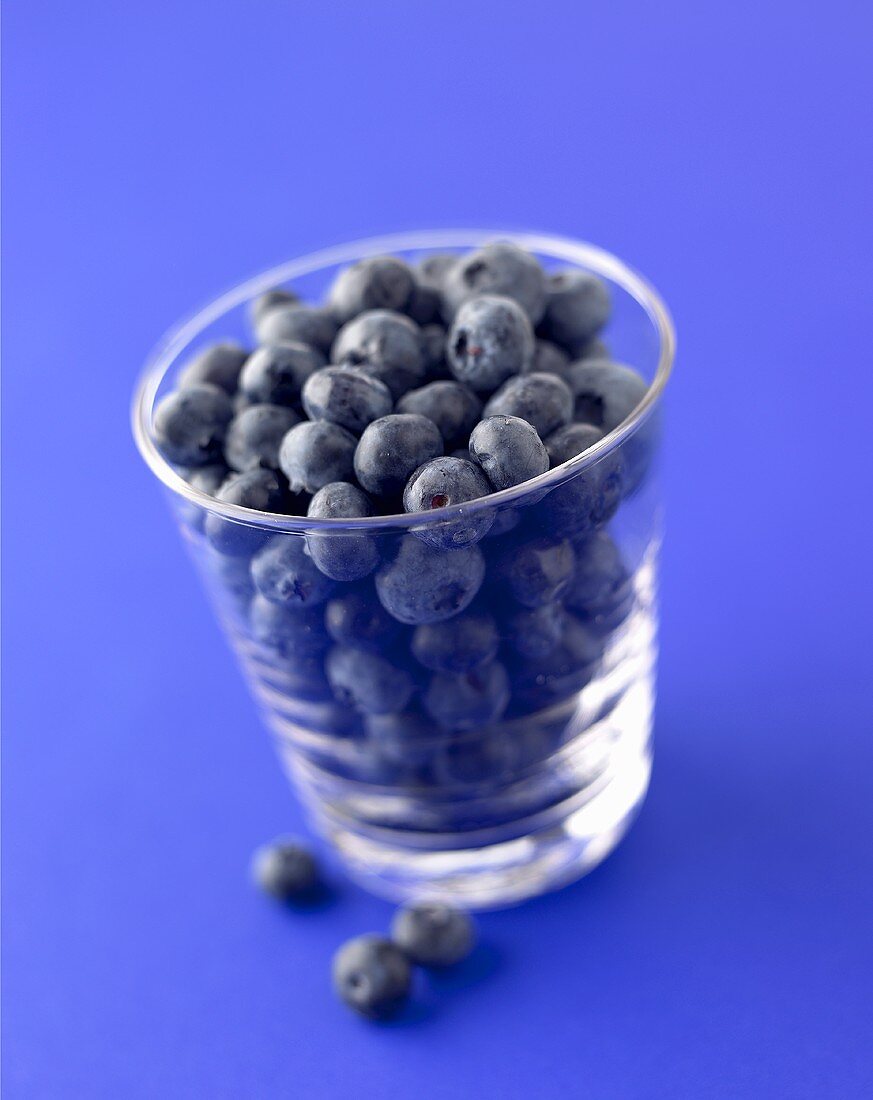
[392, 448]
[254, 435]
[433, 933]
[425, 585]
[577, 308]
[453, 407]
[357, 619]
[297, 324]
[536, 571]
[509, 450]
[368, 681]
[217, 366]
[285, 574]
[498, 268]
[372, 976]
[286, 869]
[190, 424]
[384, 345]
[468, 700]
[440, 484]
[353, 554]
[275, 373]
[260, 490]
[543, 400]
[262, 305]
[287, 630]
[346, 396]
[535, 632]
[316, 452]
[457, 645]
[378, 282]
[490, 340]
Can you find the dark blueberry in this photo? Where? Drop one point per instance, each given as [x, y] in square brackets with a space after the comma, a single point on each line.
[190, 425]
[254, 436]
[260, 490]
[368, 681]
[577, 307]
[431, 933]
[543, 400]
[505, 520]
[208, 479]
[457, 645]
[268, 301]
[346, 396]
[550, 359]
[424, 585]
[482, 760]
[599, 575]
[440, 484]
[571, 440]
[391, 448]
[433, 269]
[406, 740]
[433, 350]
[377, 282]
[315, 453]
[468, 700]
[540, 682]
[287, 630]
[275, 373]
[535, 632]
[453, 407]
[594, 349]
[286, 869]
[229, 578]
[606, 393]
[372, 976]
[589, 498]
[497, 268]
[537, 571]
[350, 555]
[490, 340]
[285, 574]
[297, 324]
[385, 345]
[509, 450]
[218, 366]
[304, 678]
[356, 618]
[424, 303]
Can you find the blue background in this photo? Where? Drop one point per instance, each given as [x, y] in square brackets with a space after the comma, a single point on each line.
[155, 154]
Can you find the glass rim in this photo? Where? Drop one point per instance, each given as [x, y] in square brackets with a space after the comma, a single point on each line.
[589, 256]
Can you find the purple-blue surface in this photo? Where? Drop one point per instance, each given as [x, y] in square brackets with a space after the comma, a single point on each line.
[154, 154]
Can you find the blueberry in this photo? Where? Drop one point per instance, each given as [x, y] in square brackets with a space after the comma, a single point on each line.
[289, 631]
[606, 393]
[509, 450]
[297, 324]
[431, 933]
[268, 301]
[285, 574]
[571, 440]
[440, 484]
[384, 345]
[208, 479]
[599, 576]
[406, 739]
[218, 366]
[433, 269]
[348, 556]
[368, 681]
[550, 359]
[424, 585]
[594, 349]
[190, 425]
[589, 498]
[535, 632]
[303, 678]
[260, 490]
[315, 453]
[457, 645]
[541, 682]
[536, 571]
[275, 373]
[577, 307]
[357, 619]
[433, 350]
[453, 407]
[346, 396]
[254, 436]
[424, 303]
[286, 869]
[480, 761]
[490, 339]
[543, 400]
[468, 700]
[498, 268]
[391, 448]
[377, 282]
[372, 976]
[229, 578]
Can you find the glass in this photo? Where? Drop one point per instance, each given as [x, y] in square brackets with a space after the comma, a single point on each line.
[497, 801]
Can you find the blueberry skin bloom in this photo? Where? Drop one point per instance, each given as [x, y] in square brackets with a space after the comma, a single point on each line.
[599, 576]
[543, 400]
[536, 572]
[391, 448]
[290, 632]
[254, 436]
[190, 425]
[457, 645]
[577, 307]
[315, 453]
[219, 366]
[275, 373]
[357, 619]
[298, 324]
[271, 299]
[453, 407]
[589, 498]
[509, 450]
[433, 934]
[535, 632]
[440, 484]
[260, 490]
[468, 700]
[372, 976]
[498, 268]
[424, 585]
[385, 345]
[286, 869]
[550, 359]
[284, 574]
[346, 396]
[348, 556]
[367, 681]
[490, 340]
[378, 282]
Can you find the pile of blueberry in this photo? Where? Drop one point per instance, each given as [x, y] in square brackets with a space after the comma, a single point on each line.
[413, 390]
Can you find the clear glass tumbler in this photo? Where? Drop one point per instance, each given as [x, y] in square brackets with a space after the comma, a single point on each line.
[515, 797]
